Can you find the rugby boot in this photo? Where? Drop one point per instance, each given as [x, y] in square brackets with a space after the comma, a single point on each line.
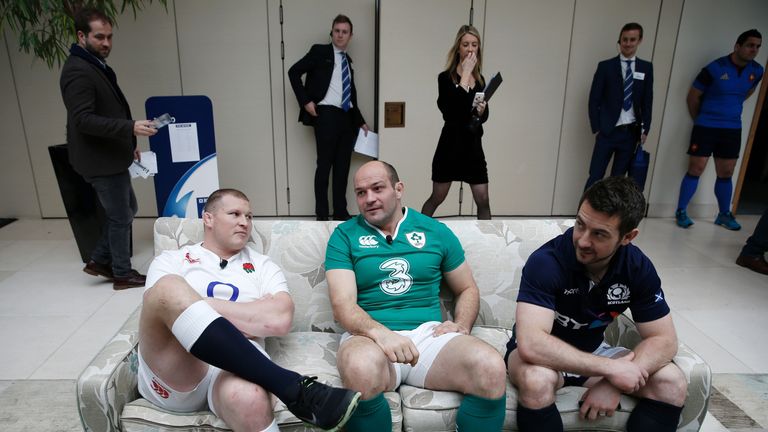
[728, 221]
[324, 406]
[682, 219]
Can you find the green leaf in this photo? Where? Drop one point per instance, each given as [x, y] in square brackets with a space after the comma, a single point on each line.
[46, 28]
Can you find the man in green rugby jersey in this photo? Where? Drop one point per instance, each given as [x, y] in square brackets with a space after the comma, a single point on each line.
[384, 268]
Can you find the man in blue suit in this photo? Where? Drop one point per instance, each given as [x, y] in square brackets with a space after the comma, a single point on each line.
[620, 103]
[328, 102]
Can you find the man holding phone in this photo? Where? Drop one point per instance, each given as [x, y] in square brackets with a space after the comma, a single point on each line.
[620, 103]
[102, 143]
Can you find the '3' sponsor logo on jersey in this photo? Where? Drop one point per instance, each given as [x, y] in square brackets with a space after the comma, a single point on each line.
[400, 280]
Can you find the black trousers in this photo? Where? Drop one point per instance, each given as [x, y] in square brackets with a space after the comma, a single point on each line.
[619, 143]
[335, 138]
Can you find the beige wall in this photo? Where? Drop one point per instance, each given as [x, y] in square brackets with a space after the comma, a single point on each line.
[224, 54]
[537, 141]
[17, 182]
[408, 73]
[523, 133]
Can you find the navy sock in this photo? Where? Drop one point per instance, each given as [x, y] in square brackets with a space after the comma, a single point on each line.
[545, 419]
[723, 192]
[653, 415]
[222, 345]
[687, 189]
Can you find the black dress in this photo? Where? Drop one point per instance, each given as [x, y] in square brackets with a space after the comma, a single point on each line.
[459, 155]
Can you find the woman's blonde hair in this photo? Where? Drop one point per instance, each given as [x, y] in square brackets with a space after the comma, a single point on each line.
[453, 55]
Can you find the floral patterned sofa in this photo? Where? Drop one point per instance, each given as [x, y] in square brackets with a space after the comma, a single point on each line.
[496, 250]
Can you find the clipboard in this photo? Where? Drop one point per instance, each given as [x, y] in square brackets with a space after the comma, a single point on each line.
[492, 85]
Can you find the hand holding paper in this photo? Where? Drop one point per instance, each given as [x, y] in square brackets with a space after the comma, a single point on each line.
[367, 143]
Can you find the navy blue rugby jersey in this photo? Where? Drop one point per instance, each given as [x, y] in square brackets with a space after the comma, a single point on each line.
[554, 279]
[725, 88]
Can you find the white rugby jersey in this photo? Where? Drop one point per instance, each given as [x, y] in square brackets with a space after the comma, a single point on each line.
[247, 276]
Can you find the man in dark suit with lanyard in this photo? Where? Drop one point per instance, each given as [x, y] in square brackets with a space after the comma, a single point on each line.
[620, 103]
[102, 143]
[328, 102]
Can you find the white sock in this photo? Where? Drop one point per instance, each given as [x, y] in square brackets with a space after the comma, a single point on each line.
[272, 427]
[191, 323]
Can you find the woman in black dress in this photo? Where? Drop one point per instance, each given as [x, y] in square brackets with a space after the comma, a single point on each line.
[459, 155]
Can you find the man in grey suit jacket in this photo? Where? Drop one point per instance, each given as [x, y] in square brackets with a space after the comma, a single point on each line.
[102, 143]
[334, 114]
[620, 103]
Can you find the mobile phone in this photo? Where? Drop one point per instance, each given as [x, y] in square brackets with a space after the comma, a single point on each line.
[163, 120]
[479, 97]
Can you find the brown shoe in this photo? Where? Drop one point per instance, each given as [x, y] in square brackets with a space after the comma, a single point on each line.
[95, 269]
[136, 279]
[754, 263]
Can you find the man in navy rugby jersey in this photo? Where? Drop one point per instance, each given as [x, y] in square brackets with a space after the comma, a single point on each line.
[572, 288]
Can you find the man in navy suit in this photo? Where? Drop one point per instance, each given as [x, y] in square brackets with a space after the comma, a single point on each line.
[620, 103]
[328, 102]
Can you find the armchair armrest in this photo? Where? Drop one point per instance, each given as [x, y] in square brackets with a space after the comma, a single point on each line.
[623, 332]
[109, 381]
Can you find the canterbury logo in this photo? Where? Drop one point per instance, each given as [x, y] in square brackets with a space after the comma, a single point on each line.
[160, 390]
[368, 241]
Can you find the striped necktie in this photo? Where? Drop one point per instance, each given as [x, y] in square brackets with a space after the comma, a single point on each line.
[627, 105]
[346, 83]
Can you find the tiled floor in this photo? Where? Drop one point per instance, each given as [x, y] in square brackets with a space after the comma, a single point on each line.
[54, 318]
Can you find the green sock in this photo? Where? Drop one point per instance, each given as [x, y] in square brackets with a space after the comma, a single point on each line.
[372, 415]
[478, 414]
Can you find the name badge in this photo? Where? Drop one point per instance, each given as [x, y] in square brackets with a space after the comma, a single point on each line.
[638, 75]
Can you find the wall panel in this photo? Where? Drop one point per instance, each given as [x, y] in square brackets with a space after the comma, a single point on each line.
[596, 27]
[224, 54]
[17, 185]
[522, 133]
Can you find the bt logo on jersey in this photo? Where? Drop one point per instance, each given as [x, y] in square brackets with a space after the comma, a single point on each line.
[566, 321]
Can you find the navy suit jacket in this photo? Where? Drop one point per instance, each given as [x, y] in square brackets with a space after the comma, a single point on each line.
[318, 64]
[607, 95]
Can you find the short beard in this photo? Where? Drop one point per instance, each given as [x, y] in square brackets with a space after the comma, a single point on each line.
[93, 52]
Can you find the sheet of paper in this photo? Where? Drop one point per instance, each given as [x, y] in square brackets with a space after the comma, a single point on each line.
[138, 170]
[184, 146]
[367, 145]
[149, 160]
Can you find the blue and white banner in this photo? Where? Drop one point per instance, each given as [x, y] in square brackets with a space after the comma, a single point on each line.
[186, 157]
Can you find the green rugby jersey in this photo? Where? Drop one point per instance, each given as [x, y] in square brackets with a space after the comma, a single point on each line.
[398, 284]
